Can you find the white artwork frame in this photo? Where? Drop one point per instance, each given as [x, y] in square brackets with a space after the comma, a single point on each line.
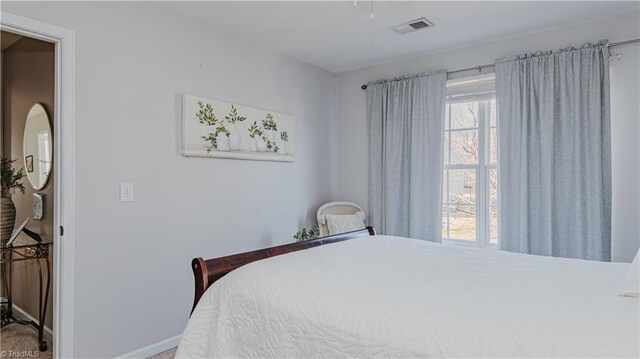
[218, 129]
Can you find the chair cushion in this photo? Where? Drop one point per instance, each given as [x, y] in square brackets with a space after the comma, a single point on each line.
[341, 223]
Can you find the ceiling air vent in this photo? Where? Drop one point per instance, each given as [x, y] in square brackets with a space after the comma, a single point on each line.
[413, 25]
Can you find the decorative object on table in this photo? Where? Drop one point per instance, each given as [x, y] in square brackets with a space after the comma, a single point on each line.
[10, 182]
[28, 161]
[340, 217]
[38, 147]
[212, 128]
[307, 234]
[23, 229]
[38, 206]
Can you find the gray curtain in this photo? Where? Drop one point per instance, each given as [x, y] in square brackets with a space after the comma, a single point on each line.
[406, 124]
[554, 153]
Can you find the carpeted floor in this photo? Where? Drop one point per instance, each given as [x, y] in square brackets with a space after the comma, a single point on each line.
[21, 341]
[167, 354]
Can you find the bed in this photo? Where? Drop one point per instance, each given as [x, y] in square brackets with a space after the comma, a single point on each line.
[381, 296]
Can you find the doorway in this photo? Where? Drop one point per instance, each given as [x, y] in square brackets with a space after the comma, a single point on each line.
[59, 229]
[27, 100]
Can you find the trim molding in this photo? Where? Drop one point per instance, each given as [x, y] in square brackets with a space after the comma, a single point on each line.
[30, 317]
[153, 349]
[64, 170]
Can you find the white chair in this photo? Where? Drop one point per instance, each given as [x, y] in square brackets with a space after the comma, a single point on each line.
[338, 208]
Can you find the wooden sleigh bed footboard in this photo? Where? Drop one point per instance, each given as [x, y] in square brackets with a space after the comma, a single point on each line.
[206, 272]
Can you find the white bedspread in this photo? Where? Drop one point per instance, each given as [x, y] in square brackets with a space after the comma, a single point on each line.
[396, 297]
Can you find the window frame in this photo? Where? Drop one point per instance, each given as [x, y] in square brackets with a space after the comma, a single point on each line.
[482, 169]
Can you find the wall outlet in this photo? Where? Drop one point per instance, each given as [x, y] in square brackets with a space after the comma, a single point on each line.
[126, 192]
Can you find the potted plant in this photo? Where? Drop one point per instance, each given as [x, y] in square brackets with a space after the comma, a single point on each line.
[272, 146]
[217, 139]
[307, 234]
[257, 135]
[270, 127]
[233, 118]
[222, 135]
[282, 143]
[10, 182]
[208, 119]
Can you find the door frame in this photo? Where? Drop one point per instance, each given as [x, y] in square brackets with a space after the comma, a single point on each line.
[64, 165]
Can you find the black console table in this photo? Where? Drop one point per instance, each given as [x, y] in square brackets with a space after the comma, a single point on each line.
[26, 249]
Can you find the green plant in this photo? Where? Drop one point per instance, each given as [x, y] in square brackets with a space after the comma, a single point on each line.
[254, 130]
[206, 117]
[269, 123]
[271, 145]
[284, 136]
[213, 137]
[205, 114]
[233, 117]
[305, 235]
[10, 178]
[259, 132]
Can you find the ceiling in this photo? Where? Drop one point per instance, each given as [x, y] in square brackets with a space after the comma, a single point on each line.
[339, 36]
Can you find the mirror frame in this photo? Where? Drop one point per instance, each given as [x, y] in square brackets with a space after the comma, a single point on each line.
[24, 157]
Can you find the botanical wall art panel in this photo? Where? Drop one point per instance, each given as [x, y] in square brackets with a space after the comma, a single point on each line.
[219, 129]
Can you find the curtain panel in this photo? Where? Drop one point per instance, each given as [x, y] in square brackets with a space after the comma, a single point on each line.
[406, 124]
[554, 153]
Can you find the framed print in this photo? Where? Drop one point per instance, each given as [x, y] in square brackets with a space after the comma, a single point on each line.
[212, 128]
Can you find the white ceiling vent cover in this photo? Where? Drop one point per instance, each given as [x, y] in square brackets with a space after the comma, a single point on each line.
[413, 25]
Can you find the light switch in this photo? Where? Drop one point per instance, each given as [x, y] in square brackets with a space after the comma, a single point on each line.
[126, 192]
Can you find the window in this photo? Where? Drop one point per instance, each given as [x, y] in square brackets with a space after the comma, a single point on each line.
[469, 211]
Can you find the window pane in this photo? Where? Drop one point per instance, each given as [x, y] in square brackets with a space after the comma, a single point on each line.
[493, 187]
[444, 222]
[493, 203]
[462, 186]
[447, 148]
[494, 226]
[445, 187]
[493, 145]
[464, 115]
[462, 222]
[492, 113]
[493, 217]
[464, 147]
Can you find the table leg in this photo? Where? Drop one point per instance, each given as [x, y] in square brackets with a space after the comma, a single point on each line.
[6, 284]
[43, 306]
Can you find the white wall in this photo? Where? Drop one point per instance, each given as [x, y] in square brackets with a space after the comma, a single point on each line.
[133, 281]
[625, 151]
[625, 92]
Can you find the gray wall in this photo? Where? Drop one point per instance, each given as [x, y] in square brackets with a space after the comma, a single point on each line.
[625, 120]
[133, 281]
[27, 78]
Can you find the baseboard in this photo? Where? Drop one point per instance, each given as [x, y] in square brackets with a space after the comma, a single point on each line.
[48, 332]
[153, 349]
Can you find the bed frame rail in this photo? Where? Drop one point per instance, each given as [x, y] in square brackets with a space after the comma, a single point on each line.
[207, 272]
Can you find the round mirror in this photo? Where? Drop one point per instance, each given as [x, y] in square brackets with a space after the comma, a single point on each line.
[38, 147]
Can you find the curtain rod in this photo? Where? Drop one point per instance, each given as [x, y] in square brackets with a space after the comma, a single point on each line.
[479, 68]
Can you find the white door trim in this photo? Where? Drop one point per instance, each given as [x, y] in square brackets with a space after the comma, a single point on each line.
[64, 170]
